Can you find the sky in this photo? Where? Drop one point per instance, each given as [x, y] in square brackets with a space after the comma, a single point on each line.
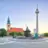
[22, 14]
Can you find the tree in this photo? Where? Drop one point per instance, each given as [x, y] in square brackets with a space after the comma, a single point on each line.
[16, 34]
[19, 34]
[13, 34]
[27, 32]
[46, 34]
[3, 32]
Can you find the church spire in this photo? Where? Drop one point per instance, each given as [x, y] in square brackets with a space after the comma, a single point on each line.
[8, 21]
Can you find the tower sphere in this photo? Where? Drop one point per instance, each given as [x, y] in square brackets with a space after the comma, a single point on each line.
[37, 11]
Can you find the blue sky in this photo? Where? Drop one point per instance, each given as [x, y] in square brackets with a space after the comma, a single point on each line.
[22, 13]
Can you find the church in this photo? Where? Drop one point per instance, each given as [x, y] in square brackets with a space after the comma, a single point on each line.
[11, 29]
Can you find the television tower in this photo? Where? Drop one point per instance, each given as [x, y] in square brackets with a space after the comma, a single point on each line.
[37, 12]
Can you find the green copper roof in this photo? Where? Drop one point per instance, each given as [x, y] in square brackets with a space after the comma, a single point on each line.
[8, 21]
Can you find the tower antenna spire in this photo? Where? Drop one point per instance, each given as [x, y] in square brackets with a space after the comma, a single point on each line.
[37, 6]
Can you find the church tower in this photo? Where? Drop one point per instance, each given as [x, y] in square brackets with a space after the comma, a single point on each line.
[8, 25]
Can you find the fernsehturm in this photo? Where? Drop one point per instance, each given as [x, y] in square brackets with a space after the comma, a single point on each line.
[37, 12]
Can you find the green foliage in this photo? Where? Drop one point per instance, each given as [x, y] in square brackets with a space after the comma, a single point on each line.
[3, 32]
[46, 34]
[27, 32]
[19, 34]
[16, 34]
[12, 33]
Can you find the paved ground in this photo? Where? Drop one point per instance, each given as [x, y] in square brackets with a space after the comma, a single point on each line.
[23, 43]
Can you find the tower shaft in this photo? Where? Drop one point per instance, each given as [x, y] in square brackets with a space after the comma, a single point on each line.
[37, 12]
[37, 23]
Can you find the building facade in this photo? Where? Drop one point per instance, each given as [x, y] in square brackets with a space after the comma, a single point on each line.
[12, 29]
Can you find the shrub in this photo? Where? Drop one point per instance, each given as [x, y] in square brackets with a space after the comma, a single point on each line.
[3, 32]
[46, 34]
